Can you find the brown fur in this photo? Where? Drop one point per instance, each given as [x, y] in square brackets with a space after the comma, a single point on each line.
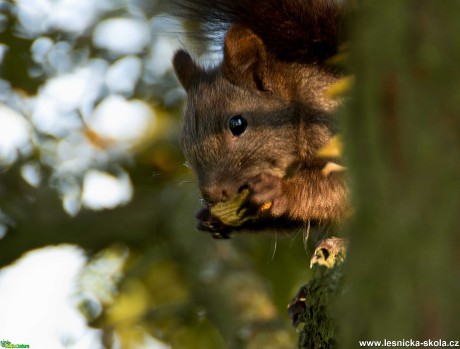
[289, 119]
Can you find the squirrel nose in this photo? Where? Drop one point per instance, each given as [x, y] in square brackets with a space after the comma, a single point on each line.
[216, 193]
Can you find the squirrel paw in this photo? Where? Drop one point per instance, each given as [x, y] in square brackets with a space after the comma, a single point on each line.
[267, 195]
[297, 308]
[209, 223]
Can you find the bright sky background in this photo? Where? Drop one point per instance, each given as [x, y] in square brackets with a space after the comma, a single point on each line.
[39, 298]
[36, 301]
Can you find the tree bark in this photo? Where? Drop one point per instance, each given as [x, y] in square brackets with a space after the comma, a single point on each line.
[402, 133]
[311, 308]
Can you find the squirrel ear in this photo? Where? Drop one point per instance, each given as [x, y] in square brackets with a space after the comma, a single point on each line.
[185, 68]
[245, 58]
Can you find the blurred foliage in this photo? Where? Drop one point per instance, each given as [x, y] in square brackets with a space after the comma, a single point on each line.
[150, 277]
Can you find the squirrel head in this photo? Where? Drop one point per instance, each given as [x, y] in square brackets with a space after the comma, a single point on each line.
[249, 115]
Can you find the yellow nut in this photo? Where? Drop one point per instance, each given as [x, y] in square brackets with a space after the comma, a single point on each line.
[265, 206]
[233, 212]
[230, 212]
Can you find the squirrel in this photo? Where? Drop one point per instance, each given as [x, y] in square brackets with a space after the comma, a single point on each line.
[257, 120]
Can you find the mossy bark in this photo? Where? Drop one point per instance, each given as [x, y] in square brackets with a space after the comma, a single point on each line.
[311, 308]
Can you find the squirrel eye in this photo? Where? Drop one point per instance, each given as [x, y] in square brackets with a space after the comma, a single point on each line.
[237, 125]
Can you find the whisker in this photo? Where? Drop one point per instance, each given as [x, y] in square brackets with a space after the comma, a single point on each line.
[185, 182]
[295, 234]
[275, 246]
[154, 175]
[306, 236]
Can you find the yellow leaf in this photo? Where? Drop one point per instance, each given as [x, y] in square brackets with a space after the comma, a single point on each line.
[339, 58]
[340, 87]
[333, 149]
[332, 167]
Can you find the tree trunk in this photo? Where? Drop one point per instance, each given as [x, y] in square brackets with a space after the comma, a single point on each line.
[402, 132]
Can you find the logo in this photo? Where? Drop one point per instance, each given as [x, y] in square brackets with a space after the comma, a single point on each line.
[7, 344]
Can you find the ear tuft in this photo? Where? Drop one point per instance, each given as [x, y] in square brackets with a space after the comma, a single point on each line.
[245, 58]
[185, 68]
